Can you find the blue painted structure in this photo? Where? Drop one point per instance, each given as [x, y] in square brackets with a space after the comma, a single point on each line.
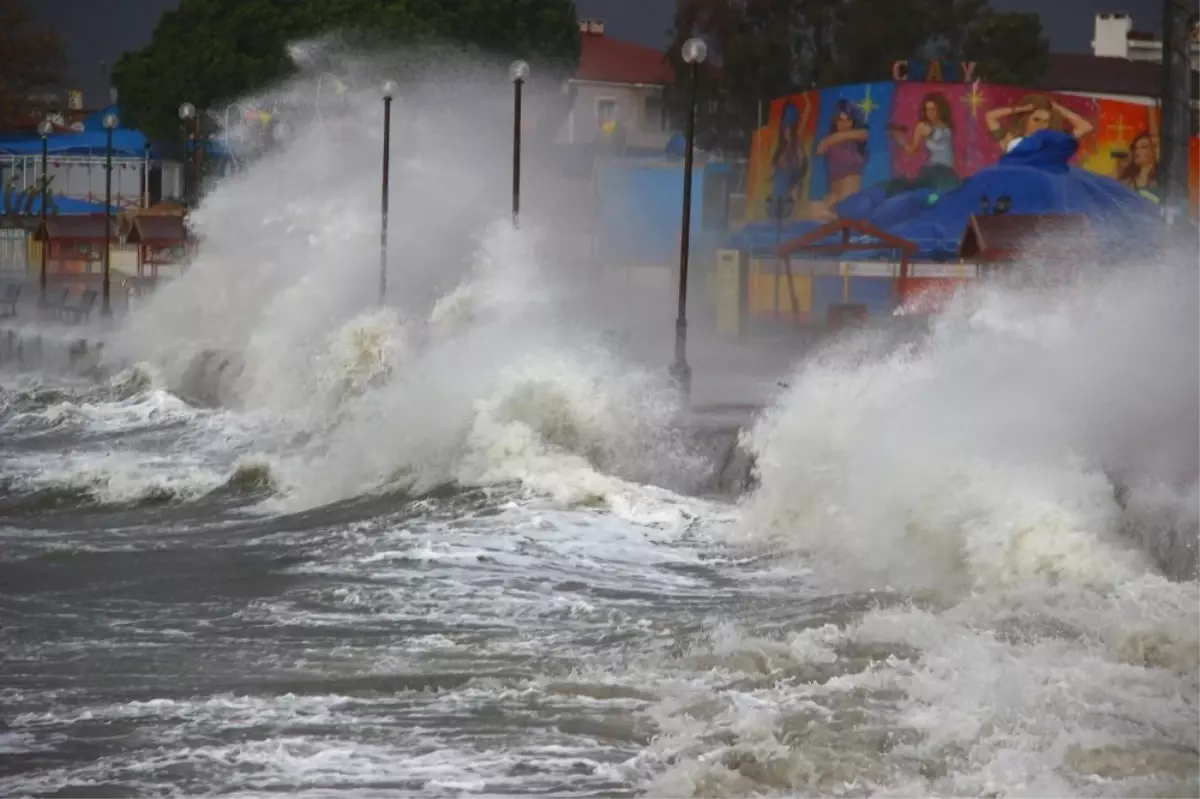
[641, 204]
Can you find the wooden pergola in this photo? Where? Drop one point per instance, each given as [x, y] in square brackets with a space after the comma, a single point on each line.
[160, 240]
[75, 240]
[852, 236]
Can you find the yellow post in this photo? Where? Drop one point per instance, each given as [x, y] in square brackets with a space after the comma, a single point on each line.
[33, 259]
[729, 294]
[845, 281]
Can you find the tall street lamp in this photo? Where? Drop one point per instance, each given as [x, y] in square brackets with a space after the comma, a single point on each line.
[389, 89]
[187, 112]
[518, 71]
[694, 53]
[110, 124]
[44, 129]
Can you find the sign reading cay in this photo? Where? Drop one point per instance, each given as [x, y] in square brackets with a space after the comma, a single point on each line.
[934, 71]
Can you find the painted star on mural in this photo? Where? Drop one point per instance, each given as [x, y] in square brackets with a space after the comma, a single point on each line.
[1119, 126]
[867, 104]
[974, 99]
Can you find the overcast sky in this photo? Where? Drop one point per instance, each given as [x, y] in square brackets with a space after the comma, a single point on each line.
[98, 31]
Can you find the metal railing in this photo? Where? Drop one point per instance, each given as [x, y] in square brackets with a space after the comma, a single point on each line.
[82, 177]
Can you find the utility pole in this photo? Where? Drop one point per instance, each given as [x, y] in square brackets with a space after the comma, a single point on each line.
[1178, 22]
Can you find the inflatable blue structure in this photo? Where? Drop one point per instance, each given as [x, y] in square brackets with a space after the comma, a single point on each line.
[1034, 177]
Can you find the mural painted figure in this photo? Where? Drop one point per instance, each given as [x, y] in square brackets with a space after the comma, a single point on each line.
[1137, 167]
[935, 134]
[824, 152]
[789, 163]
[1010, 125]
[845, 150]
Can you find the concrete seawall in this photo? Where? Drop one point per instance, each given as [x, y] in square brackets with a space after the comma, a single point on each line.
[55, 350]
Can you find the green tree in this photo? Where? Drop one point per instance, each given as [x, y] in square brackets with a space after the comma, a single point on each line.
[1007, 48]
[752, 58]
[31, 64]
[763, 49]
[209, 52]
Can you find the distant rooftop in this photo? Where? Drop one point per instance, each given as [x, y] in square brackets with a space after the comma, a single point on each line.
[1115, 38]
[1080, 72]
[606, 60]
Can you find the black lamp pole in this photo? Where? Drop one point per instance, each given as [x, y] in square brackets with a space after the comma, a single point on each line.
[110, 122]
[389, 88]
[518, 71]
[187, 112]
[44, 128]
[183, 167]
[1179, 21]
[694, 52]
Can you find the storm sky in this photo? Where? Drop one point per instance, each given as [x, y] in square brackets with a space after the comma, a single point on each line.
[98, 31]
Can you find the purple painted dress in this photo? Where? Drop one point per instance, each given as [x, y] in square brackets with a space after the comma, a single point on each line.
[844, 159]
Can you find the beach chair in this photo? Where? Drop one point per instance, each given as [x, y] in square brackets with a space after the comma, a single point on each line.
[81, 310]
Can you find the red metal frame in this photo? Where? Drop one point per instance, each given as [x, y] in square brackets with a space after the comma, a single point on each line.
[847, 228]
[56, 232]
[157, 238]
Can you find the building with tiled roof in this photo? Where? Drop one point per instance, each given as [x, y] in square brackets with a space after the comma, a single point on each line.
[1124, 65]
[1107, 77]
[618, 90]
[1115, 38]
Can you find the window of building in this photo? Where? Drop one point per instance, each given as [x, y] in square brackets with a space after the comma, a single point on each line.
[606, 109]
[654, 114]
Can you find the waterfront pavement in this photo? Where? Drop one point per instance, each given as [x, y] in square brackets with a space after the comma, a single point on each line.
[732, 377]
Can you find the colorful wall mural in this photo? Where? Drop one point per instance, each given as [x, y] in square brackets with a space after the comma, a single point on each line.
[823, 146]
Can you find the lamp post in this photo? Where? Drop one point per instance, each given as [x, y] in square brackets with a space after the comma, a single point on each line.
[389, 89]
[187, 112]
[518, 71]
[44, 129]
[110, 124]
[694, 53]
[779, 208]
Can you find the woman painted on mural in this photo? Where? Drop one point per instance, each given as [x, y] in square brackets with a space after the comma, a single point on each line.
[935, 133]
[845, 151]
[789, 164]
[1010, 125]
[1138, 168]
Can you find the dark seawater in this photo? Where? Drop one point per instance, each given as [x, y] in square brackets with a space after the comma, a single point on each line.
[163, 632]
[162, 635]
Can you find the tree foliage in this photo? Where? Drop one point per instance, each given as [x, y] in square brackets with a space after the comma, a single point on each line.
[32, 62]
[209, 52]
[1009, 48]
[762, 49]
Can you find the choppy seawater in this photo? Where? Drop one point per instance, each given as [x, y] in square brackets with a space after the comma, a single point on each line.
[166, 632]
[454, 546]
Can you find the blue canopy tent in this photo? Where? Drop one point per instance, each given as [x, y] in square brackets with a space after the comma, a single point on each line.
[126, 143]
[91, 141]
[58, 205]
[1035, 177]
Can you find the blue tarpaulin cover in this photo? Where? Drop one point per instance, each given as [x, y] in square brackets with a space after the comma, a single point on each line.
[1035, 177]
